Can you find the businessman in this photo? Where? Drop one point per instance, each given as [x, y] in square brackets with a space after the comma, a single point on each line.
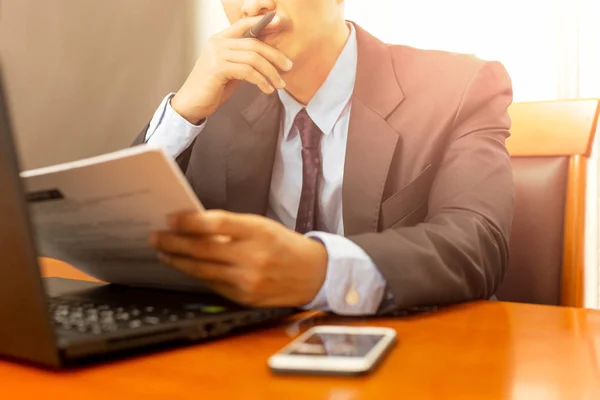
[340, 173]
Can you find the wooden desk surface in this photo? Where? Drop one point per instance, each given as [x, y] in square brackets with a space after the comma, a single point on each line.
[478, 351]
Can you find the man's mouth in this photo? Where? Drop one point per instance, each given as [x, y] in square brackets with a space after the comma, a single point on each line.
[276, 26]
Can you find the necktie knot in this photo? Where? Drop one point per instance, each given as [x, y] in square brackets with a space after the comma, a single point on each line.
[310, 134]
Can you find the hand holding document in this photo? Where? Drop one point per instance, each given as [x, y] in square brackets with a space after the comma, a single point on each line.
[97, 215]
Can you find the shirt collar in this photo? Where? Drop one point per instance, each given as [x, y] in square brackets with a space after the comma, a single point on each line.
[326, 107]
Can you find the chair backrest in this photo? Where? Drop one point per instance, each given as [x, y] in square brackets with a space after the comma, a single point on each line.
[550, 145]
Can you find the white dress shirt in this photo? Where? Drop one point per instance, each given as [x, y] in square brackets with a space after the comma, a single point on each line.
[353, 285]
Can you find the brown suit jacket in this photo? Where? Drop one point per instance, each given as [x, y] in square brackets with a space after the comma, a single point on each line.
[428, 190]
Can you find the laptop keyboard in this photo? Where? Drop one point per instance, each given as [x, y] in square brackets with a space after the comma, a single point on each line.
[104, 318]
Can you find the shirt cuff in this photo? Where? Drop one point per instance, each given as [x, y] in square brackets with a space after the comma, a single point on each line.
[353, 284]
[170, 131]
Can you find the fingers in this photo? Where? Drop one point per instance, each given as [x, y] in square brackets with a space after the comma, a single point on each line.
[245, 72]
[218, 70]
[238, 28]
[253, 61]
[228, 281]
[204, 248]
[271, 54]
[205, 271]
[260, 66]
[221, 279]
[223, 223]
[233, 57]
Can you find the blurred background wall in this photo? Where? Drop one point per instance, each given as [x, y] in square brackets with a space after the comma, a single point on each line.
[84, 76]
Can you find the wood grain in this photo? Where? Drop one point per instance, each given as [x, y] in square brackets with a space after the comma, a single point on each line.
[485, 350]
[553, 128]
[574, 236]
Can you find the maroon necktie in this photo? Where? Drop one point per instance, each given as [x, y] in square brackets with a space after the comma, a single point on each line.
[311, 135]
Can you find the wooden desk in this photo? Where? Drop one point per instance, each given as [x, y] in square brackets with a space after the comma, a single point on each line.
[477, 351]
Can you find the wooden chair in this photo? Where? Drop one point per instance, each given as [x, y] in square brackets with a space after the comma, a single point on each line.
[550, 146]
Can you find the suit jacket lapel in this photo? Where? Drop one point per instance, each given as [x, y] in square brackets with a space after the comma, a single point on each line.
[251, 156]
[372, 141]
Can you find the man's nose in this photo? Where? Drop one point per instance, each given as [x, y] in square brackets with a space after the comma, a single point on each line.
[252, 8]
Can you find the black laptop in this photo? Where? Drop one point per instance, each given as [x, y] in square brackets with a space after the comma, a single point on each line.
[59, 322]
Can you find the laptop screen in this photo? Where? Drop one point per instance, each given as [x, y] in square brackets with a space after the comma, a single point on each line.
[16, 235]
[28, 335]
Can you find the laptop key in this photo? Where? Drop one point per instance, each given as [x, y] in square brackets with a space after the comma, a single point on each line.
[136, 323]
[90, 318]
[151, 320]
[123, 316]
[109, 327]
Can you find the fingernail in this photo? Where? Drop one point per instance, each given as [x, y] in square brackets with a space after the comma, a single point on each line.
[271, 89]
[282, 83]
[289, 64]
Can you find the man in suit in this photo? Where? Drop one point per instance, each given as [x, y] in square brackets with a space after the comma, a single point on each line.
[340, 173]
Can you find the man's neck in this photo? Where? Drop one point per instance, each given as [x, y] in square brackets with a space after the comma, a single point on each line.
[312, 70]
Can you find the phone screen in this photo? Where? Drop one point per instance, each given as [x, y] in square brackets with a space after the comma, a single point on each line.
[335, 344]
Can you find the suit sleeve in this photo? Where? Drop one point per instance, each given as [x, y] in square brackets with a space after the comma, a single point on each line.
[460, 252]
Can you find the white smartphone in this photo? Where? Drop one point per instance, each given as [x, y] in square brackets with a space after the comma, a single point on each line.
[339, 350]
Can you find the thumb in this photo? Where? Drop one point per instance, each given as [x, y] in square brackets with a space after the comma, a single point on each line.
[240, 27]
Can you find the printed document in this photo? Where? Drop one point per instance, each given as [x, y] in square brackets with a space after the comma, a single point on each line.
[97, 215]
